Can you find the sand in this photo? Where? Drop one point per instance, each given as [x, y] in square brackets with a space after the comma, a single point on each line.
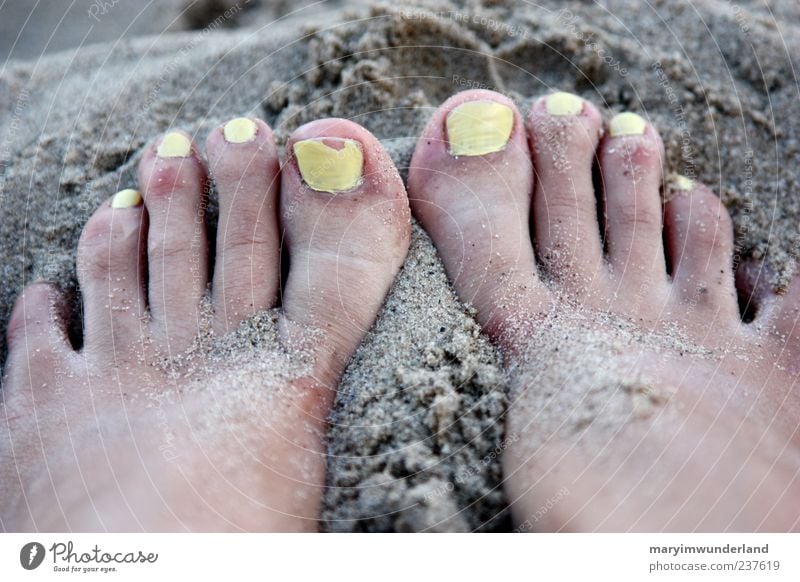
[417, 429]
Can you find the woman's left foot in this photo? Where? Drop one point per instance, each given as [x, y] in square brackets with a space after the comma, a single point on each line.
[641, 400]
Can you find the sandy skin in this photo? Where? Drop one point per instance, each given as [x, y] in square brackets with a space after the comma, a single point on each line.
[108, 438]
[638, 390]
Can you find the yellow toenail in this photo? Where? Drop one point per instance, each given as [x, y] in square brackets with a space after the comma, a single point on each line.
[681, 182]
[328, 169]
[240, 130]
[627, 124]
[174, 145]
[476, 128]
[561, 104]
[127, 198]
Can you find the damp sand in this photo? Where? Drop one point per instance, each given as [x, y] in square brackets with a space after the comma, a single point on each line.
[418, 426]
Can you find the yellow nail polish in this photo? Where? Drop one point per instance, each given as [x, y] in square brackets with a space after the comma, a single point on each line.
[476, 128]
[127, 198]
[240, 130]
[679, 182]
[174, 145]
[328, 169]
[627, 124]
[562, 104]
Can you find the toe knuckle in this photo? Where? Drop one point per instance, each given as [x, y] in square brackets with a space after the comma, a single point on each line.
[169, 179]
[637, 216]
[173, 250]
[94, 256]
[635, 153]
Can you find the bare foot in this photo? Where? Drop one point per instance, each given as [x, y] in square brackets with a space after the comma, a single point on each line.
[641, 400]
[147, 427]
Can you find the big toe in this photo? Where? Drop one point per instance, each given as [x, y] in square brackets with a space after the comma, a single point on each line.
[470, 185]
[346, 219]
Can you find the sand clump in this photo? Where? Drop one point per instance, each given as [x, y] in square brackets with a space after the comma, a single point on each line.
[422, 405]
[418, 416]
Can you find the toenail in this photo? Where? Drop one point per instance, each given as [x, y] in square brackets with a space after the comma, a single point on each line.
[329, 169]
[679, 182]
[476, 128]
[174, 145]
[240, 130]
[562, 104]
[127, 198]
[627, 124]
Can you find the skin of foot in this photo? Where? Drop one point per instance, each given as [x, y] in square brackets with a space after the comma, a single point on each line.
[640, 399]
[139, 430]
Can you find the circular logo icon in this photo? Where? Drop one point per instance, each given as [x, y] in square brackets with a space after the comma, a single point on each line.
[31, 555]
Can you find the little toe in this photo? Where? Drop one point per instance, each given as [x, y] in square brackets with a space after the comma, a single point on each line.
[36, 332]
[174, 185]
[631, 156]
[470, 184]
[778, 317]
[345, 213]
[699, 240]
[111, 270]
[244, 166]
[564, 132]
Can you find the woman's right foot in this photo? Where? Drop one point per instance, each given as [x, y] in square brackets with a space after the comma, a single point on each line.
[641, 399]
[134, 431]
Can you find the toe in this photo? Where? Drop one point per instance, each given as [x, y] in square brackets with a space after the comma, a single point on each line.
[346, 218]
[470, 185]
[778, 317]
[37, 331]
[564, 132]
[111, 270]
[699, 240]
[245, 169]
[631, 157]
[174, 185]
